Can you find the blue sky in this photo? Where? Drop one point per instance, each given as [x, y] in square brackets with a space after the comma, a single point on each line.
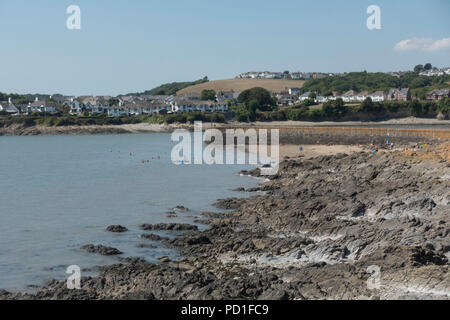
[128, 46]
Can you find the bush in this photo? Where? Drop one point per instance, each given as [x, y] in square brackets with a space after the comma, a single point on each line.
[334, 108]
[367, 105]
[444, 105]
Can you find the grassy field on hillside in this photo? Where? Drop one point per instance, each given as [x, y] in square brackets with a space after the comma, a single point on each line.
[274, 85]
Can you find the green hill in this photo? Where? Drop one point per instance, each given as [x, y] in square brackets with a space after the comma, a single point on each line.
[171, 88]
[364, 81]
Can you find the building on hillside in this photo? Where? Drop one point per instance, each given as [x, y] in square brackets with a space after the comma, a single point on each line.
[403, 94]
[295, 91]
[377, 96]
[319, 75]
[40, 106]
[361, 96]
[60, 99]
[227, 96]
[321, 99]
[138, 107]
[92, 105]
[182, 105]
[433, 72]
[162, 99]
[304, 96]
[9, 107]
[349, 96]
[248, 75]
[117, 111]
[438, 94]
[76, 108]
[190, 96]
[286, 99]
[296, 76]
[127, 99]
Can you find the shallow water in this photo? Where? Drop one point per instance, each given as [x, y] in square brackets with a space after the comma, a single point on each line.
[58, 193]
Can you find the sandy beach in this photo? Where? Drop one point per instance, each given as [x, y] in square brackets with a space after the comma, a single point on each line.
[311, 151]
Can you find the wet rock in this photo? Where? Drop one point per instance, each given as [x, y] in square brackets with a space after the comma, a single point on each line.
[181, 208]
[230, 203]
[153, 237]
[198, 240]
[274, 294]
[427, 257]
[146, 246]
[422, 205]
[116, 228]
[100, 249]
[254, 173]
[169, 226]
[164, 259]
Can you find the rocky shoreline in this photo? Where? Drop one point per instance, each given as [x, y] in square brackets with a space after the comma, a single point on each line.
[21, 130]
[321, 228]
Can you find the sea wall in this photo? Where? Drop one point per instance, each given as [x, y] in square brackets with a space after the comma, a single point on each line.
[356, 135]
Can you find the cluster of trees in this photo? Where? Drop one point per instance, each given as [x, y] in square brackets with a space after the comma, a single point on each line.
[52, 120]
[208, 95]
[367, 110]
[19, 98]
[251, 101]
[421, 67]
[188, 117]
[364, 81]
[56, 120]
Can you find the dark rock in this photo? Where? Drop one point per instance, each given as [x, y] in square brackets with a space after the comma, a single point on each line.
[169, 226]
[181, 208]
[116, 228]
[164, 259]
[153, 237]
[146, 245]
[230, 203]
[198, 240]
[100, 249]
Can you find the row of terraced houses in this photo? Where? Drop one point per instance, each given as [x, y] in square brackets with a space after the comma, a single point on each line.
[131, 105]
[292, 96]
[134, 105]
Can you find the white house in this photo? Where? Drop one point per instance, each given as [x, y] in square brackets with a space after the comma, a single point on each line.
[377, 96]
[94, 105]
[362, 96]
[224, 96]
[40, 106]
[304, 96]
[286, 99]
[181, 105]
[321, 99]
[349, 96]
[117, 111]
[76, 107]
[190, 96]
[294, 91]
[296, 76]
[125, 99]
[432, 73]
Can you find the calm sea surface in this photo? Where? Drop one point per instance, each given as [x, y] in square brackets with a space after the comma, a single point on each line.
[58, 193]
